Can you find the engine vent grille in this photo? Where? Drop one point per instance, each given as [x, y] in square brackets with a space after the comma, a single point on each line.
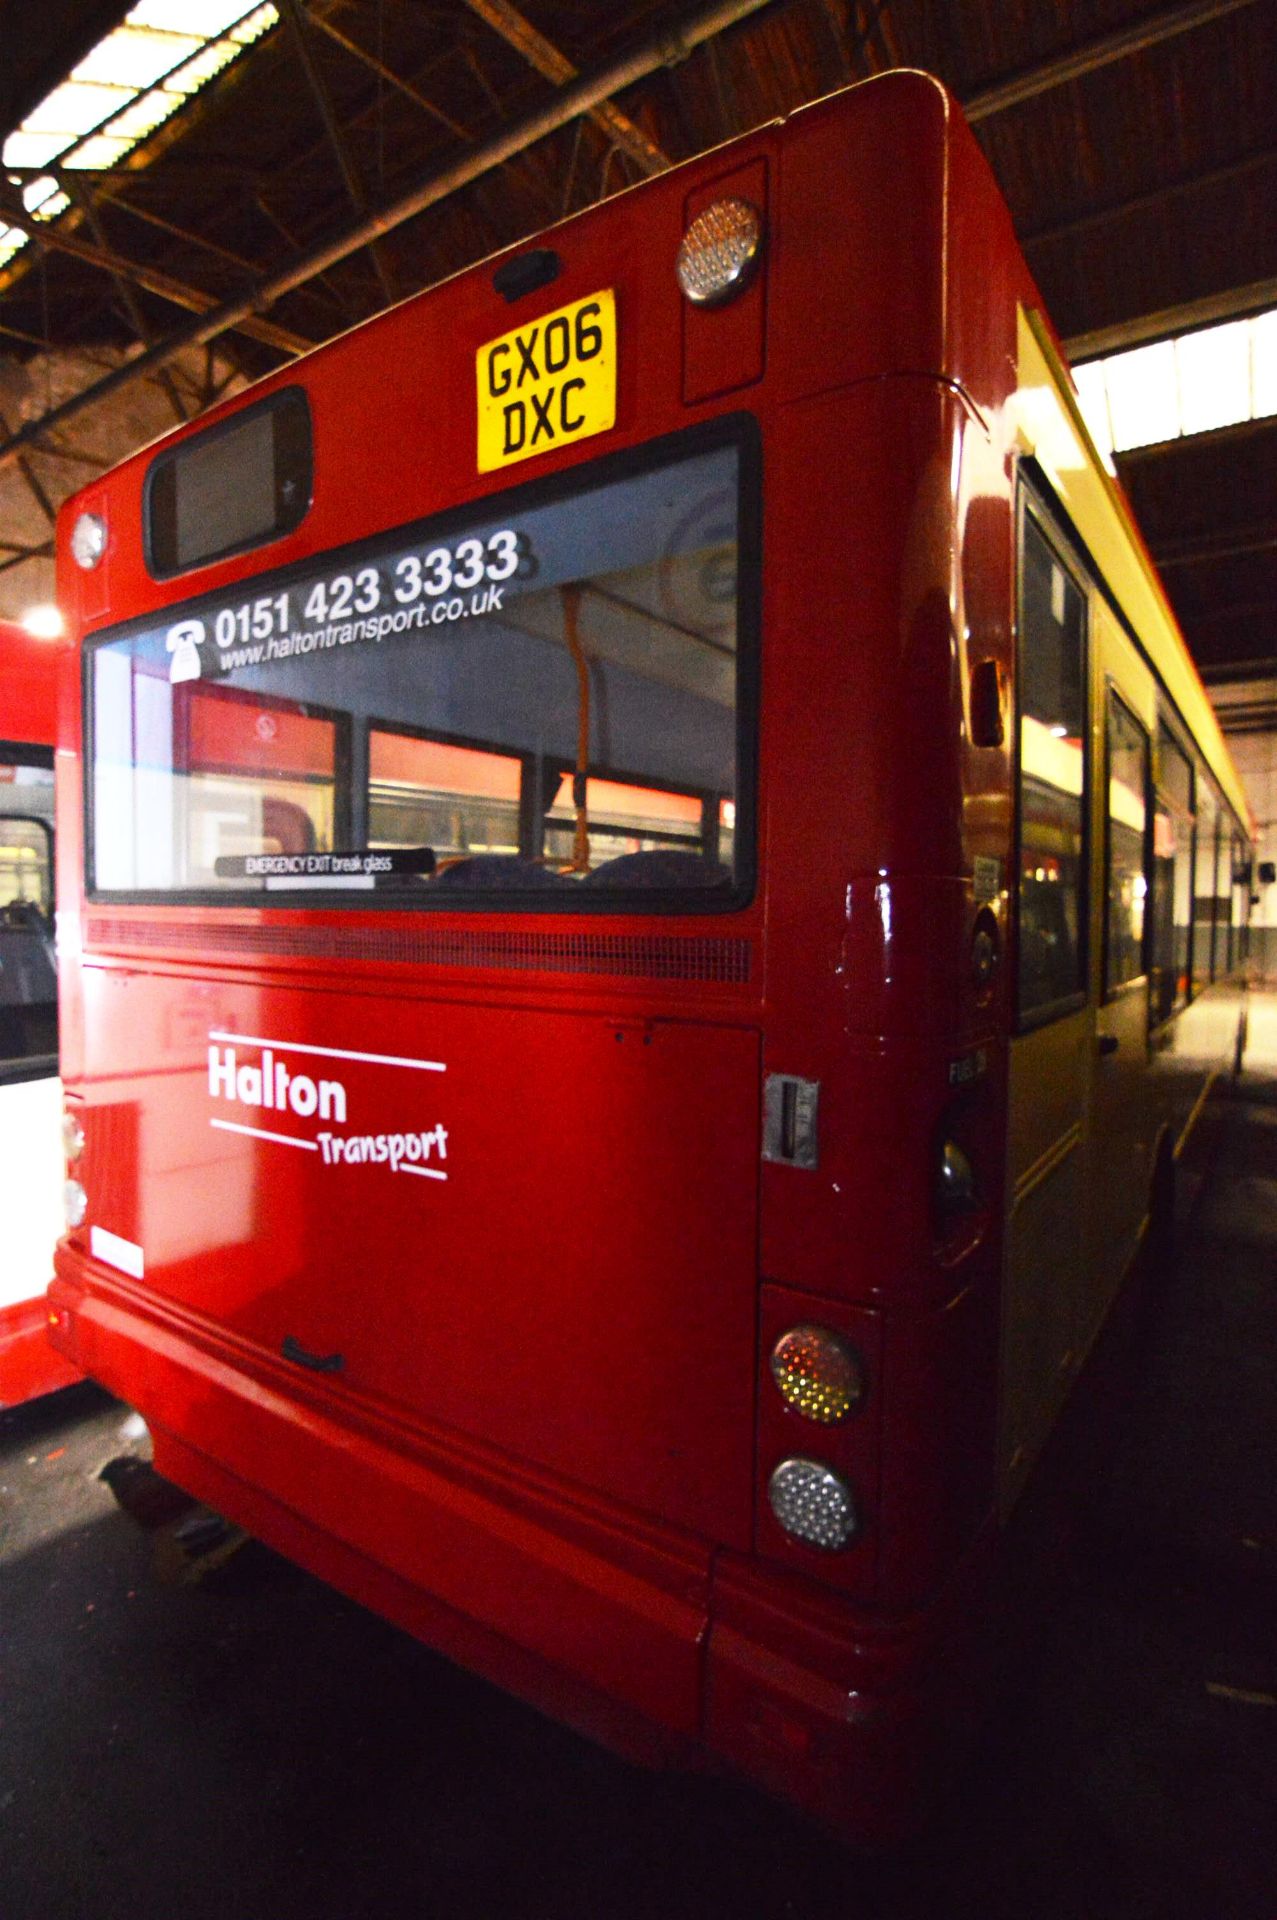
[724, 962]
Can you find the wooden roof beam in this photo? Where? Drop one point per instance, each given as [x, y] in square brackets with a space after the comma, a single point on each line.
[520, 34]
[1222, 543]
[578, 97]
[1231, 303]
[297, 19]
[1102, 52]
[1156, 197]
[53, 235]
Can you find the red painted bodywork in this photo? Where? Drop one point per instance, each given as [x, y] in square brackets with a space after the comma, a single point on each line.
[28, 686]
[549, 1449]
[29, 1365]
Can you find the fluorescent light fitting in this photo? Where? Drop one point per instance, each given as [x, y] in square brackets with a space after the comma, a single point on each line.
[43, 622]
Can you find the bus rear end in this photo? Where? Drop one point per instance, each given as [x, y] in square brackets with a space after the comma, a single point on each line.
[30, 1102]
[534, 855]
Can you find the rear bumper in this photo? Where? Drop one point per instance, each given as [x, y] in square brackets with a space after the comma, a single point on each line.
[632, 1632]
[853, 1719]
[29, 1366]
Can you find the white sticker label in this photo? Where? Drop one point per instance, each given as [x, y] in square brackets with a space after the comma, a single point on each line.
[1057, 594]
[986, 883]
[114, 1251]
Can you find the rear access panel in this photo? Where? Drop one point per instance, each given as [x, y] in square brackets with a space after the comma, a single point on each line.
[538, 1228]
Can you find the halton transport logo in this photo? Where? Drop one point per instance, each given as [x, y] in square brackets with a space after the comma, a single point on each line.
[262, 1077]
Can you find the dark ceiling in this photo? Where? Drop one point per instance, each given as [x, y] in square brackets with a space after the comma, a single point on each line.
[1135, 149]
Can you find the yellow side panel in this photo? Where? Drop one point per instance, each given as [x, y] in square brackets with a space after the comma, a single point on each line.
[1043, 1311]
[1050, 426]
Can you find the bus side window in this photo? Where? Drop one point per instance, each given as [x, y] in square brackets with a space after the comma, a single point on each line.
[1206, 962]
[1052, 760]
[1241, 903]
[1225, 945]
[460, 799]
[1126, 883]
[1172, 894]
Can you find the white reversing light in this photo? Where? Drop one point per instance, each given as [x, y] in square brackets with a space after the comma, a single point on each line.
[76, 1201]
[88, 540]
[813, 1504]
[720, 252]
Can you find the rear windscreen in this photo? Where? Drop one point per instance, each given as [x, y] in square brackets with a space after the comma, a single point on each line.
[234, 486]
[542, 697]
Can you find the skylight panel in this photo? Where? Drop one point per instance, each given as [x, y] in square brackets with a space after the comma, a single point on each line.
[1263, 365]
[145, 115]
[100, 150]
[1197, 383]
[129, 84]
[254, 25]
[135, 56]
[203, 17]
[1144, 403]
[34, 149]
[1092, 395]
[75, 107]
[36, 192]
[204, 67]
[1214, 377]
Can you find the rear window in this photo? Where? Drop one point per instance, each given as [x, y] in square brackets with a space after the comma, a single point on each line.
[544, 699]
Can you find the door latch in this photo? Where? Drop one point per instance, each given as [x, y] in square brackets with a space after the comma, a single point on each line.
[790, 1107]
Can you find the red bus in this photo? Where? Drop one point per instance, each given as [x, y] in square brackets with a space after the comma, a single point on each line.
[30, 1092]
[658, 905]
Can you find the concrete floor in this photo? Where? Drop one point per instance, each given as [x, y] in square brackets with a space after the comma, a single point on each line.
[256, 1748]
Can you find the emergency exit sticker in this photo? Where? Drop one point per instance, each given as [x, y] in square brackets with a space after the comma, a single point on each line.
[547, 383]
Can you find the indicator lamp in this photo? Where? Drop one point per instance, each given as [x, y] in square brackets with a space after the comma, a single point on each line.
[813, 1504]
[956, 1190]
[984, 957]
[720, 252]
[72, 1136]
[76, 1202]
[817, 1374]
[88, 540]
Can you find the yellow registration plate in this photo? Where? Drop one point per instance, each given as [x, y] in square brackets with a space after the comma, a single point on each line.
[547, 383]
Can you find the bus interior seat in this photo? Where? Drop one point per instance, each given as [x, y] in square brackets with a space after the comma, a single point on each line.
[286, 827]
[658, 867]
[503, 870]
